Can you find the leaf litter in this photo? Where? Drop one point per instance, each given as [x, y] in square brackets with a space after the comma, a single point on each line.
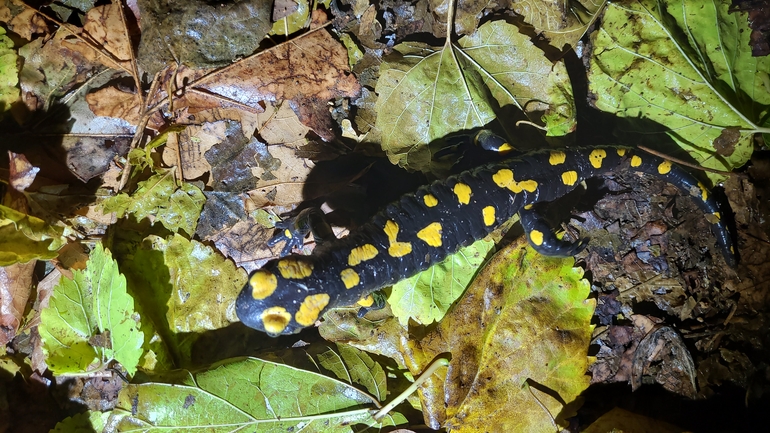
[215, 155]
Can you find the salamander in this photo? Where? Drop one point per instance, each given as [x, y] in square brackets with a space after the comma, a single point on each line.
[422, 228]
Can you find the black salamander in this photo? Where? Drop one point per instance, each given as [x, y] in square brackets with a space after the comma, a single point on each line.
[411, 234]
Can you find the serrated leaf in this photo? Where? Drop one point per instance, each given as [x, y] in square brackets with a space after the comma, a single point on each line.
[250, 394]
[356, 366]
[686, 65]
[195, 269]
[428, 93]
[159, 198]
[524, 320]
[25, 237]
[427, 296]
[90, 320]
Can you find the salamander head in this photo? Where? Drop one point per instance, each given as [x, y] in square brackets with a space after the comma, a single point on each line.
[282, 298]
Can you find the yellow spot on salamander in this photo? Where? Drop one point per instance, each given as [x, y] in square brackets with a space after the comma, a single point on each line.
[361, 254]
[489, 215]
[430, 200]
[350, 278]
[621, 152]
[718, 215]
[287, 233]
[296, 269]
[504, 179]
[569, 177]
[263, 284]
[431, 234]
[704, 192]
[536, 236]
[636, 161]
[597, 157]
[463, 193]
[505, 147]
[396, 249]
[557, 157]
[275, 320]
[664, 167]
[311, 308]
[399, 249]
[528, 206]
[366, 301]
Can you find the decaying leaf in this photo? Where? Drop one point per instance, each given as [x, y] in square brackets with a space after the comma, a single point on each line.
[113, 102]
[698, 85]
[306, 71]
[200, 33]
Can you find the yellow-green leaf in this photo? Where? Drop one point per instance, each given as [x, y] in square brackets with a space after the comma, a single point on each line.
[24, 237]
[427, 296]
[688, 66]
[524, 325]
[90, 320]
[426, 93]
[159, 198]
[205, 283]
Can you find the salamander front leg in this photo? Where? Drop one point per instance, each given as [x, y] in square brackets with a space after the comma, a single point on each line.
[543, 240]
[293, 230]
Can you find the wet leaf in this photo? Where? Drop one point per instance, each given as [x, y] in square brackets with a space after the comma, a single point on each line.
[426, 93]
[621, 420]
[93, 302]
[200, 33]
[643, 66]
[15, 289]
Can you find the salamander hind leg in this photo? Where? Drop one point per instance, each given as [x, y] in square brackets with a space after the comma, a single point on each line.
[543, 240]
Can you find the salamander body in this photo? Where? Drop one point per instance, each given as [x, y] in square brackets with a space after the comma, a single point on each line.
[422, 228]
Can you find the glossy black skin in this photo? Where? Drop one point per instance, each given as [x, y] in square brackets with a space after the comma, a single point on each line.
[461, 225]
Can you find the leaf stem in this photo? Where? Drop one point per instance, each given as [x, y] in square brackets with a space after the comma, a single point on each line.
[435, 365]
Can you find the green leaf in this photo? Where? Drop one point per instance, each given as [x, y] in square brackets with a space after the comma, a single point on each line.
[159, 198]
[24, 238]
[89, 421]
[356, 366]
[90, 320]
[688, 66]
[195, 269]
[250, 395]
[525, 320]
[427, 296]
[427, 93]
[294, 22]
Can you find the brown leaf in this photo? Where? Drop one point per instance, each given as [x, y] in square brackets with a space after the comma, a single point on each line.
[105, 29]
[113, 102]
[27, 23]
[15, 288]
[308, 71]
[22, 172]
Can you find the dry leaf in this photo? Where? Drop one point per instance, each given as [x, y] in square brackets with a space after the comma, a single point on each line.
[307, 71]
[15, 288]
[113, 102]
[104, 27]
[22, 172]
